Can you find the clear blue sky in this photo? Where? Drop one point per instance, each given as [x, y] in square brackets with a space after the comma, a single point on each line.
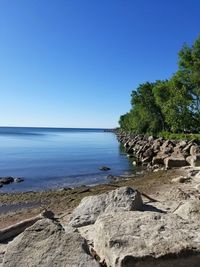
[74, 63]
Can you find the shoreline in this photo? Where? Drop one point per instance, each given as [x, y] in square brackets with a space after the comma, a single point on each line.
[163, 193]
[19, 206]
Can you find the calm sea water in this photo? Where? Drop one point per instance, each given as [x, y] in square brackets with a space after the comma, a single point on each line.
[53, 158]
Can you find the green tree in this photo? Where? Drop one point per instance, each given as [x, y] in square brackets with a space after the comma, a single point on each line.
[189, 73]
[172, 105]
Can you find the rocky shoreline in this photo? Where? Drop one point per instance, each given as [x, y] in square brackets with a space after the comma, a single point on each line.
[157, 152]
[149, 221]
[116, 227]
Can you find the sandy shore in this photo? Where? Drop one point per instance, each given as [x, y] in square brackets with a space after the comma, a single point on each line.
[19, 206]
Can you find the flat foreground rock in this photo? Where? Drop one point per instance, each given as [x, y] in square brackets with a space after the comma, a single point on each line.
[190, 211]
[121, 199]
[46, 244]
[146, 239]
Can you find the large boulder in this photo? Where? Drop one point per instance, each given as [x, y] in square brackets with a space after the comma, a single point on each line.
[146, 239]
[121, 199]
[171, 162]
[46, 244]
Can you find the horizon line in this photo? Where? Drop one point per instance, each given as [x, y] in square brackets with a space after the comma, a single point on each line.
[56, 127]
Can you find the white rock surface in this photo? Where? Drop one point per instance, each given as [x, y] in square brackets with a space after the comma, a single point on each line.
[146, 239]
[121, 199]
[46, 244]
[180, 179]
[190, 211]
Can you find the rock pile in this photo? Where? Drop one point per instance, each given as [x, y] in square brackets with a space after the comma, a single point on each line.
[152, 151]
[112, 230]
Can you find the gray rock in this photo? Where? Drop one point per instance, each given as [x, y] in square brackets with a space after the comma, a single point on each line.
[197, 176]
[46, 244]
[187, 148]
[151, 138]
[190, 210]
[159, 159]
[114, 178]
[197, 187]
[6, 180]
[121, 199]
[194, 160]
[194, 150]
[167, 147]
[18, 180]
[171, 162]
[182, 144]
[146, 239]
[177, 152]
[149, 153]
[104, 168]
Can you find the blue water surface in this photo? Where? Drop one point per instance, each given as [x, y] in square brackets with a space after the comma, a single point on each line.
[49, 158]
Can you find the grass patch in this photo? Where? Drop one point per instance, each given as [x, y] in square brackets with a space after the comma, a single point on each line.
[179, 136]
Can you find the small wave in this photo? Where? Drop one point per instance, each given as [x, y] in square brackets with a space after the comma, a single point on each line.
[21, 134]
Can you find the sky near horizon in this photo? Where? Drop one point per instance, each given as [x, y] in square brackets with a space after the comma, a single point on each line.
[74, 63]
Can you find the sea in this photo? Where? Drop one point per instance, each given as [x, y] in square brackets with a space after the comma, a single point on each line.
[53, 158]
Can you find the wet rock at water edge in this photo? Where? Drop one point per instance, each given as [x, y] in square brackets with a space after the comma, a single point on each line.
[6, 180]
[113, 178]
[104, 168]
[18, 180]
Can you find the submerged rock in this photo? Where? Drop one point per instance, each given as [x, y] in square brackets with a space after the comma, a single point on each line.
[46, 244]
[121, 199]
[104, 168]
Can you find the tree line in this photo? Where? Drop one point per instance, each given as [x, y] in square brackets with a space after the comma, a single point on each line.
[168, 105]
